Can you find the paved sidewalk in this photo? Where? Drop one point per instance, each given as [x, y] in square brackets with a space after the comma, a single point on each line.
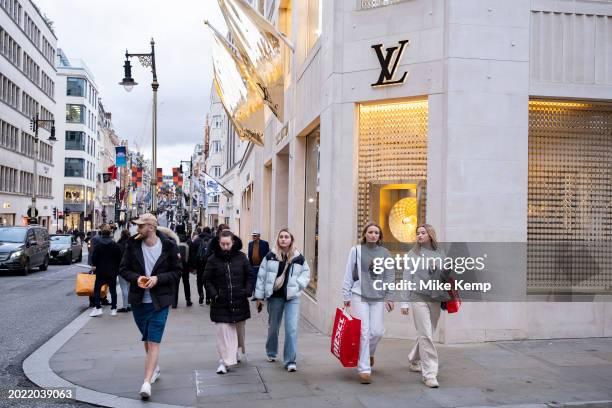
[106, 355]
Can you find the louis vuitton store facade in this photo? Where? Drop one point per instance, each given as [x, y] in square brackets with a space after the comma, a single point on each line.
[491, 122]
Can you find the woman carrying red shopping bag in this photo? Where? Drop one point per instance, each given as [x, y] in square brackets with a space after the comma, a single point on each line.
[361, 298]
[425, 303]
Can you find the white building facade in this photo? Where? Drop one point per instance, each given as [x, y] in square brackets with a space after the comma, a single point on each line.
[491, 121]
[27, 88]
[77, 129]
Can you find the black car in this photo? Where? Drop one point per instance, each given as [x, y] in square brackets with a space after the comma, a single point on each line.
[24, 248]
[65, 249]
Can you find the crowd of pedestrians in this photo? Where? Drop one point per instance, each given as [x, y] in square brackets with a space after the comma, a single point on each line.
[151, 264]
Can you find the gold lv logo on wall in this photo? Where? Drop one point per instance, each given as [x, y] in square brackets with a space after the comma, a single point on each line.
[389, 63]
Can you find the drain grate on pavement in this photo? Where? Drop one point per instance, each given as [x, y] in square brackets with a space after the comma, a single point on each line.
[239, 380]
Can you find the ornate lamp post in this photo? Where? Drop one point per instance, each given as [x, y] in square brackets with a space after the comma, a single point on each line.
[34, 125]
[146, 60]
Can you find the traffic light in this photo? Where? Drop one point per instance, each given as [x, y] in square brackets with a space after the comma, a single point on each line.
[55, 212]
[32, 124]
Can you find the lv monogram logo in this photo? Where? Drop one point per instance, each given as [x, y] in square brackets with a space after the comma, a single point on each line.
[389, 63]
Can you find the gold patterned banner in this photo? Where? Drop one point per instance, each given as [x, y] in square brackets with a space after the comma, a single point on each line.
[237, 90]
[259, 44]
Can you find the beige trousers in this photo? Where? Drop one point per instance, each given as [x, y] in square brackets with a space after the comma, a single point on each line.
[425, 313]
[230, 337]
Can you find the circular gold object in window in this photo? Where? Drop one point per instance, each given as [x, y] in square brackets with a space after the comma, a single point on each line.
[403, 220]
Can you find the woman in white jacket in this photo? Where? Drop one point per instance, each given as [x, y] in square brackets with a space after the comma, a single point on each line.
[365, 302]
[282, 276]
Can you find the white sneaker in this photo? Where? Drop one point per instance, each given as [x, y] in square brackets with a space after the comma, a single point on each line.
[271, 359]
[221, 369]
[95, 312]
[155, 375]
[145, 390]
[292, 368]
[414, 367]
[431, 382]
[113, 312]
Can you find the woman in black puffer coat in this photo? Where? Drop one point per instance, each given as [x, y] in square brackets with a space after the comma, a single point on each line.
[227, 282]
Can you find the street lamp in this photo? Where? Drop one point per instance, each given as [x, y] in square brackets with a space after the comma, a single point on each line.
[146, 60]
[34, 125]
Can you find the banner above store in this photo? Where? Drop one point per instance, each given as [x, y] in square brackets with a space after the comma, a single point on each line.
[237, 90]
[259, 45]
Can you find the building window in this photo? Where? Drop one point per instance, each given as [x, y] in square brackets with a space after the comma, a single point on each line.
[216, 146]
[569, 222]
[8, 179]
[216, 171]
[74, 194]
[369, 4]
[75, 113]
[9, 92]
[311, 208]
[74, 167]
[9, 47]
[9, 135]
[315, 8]
[75, 86]
[392, 150]
[217, 121]
[75, 140]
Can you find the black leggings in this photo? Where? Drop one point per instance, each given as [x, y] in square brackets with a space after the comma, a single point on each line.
[112, 287]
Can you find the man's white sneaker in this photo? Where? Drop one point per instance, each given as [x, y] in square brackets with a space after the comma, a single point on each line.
[113, 312]
[292, 368]
[221, 369]
[155, 375]
[145, 390]
[431, 382]
[95, 312]
[415, 367]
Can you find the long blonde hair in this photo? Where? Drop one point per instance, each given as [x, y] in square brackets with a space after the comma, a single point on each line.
[291, 248]
[432, 237]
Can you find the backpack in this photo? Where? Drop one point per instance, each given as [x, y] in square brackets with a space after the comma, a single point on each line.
[201, 254]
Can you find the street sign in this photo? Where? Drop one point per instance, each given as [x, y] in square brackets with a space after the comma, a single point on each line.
[32, 212]
[32, 221]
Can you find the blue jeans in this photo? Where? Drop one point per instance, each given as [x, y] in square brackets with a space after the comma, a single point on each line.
[291, 308]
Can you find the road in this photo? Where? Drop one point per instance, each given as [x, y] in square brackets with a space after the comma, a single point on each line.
[33, 309]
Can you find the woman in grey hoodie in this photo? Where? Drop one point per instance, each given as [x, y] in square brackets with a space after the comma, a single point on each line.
[425, 302]
[365, 297]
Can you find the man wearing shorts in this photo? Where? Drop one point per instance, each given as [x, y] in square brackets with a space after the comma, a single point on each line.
[151, 265]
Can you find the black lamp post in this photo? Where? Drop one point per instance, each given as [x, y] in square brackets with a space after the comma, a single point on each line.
[146, 60]
[35, 122]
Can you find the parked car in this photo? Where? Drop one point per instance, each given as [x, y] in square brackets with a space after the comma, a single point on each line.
[24, 248]
[65, 249]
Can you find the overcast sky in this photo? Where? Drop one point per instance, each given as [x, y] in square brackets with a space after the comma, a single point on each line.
[98, 32]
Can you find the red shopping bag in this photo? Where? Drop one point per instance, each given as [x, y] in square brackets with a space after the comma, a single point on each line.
[345, 338]
[452, 305]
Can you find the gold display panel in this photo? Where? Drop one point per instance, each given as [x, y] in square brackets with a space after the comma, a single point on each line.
[569, 226]
[392, 168]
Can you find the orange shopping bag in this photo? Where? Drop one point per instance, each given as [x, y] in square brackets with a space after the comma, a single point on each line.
[85, 283]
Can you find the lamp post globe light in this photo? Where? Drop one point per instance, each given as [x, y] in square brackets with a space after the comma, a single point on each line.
[146, 60]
